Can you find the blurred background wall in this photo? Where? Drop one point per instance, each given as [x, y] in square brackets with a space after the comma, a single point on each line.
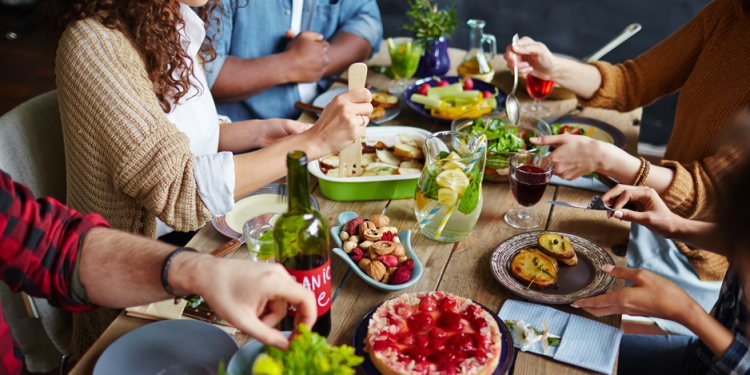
[572, 27]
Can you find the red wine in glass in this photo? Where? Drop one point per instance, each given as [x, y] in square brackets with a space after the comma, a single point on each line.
[528, 185]
[537, 88]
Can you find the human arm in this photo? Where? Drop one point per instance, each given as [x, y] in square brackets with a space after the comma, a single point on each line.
[119, 269]
[660, 71]
[342, 122]
[346, 49]
[653, 295]
[654, 214]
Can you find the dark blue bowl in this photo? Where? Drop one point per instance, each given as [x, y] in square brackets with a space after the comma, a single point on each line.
[478, 85]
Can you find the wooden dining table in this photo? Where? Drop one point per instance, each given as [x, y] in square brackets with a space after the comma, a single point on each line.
[462, 268]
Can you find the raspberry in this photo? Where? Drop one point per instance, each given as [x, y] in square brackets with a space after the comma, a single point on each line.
[409, 264]
[356, 255]
[401, 276]
[387, 236]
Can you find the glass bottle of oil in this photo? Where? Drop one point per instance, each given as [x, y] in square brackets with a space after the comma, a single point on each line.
[476, 64]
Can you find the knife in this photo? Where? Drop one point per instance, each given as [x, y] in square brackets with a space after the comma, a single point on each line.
[596, 204]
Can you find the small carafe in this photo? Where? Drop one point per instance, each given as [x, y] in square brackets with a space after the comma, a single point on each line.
[476, 64]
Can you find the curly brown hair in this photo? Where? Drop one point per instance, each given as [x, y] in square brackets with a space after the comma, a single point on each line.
[153, 26]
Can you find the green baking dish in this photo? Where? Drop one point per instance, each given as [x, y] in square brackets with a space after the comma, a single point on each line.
[375, 187]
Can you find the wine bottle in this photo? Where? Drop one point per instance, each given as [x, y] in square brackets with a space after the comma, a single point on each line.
[301, 244]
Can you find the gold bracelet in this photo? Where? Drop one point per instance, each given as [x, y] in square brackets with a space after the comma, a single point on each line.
[646, 172]
[640, 171]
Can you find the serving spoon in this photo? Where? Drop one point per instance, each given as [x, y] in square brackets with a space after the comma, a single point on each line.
[512, 106]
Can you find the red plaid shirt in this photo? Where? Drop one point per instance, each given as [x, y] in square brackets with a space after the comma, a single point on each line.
[38, 252]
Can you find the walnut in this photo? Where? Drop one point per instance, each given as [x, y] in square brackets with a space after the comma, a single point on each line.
[383, 247]
[365, 245]
[364, 264]
[349, 246]
[365, 226]
[372, 255]
[380, 221]
[344, 235]
[372, 235]
[377, 270]
[354, 239]
[398, 250]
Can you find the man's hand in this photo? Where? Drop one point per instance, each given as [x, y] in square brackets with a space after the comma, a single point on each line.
[651, 295]
[308, 56]
[274, 130]
[251, 296]
[652, 212]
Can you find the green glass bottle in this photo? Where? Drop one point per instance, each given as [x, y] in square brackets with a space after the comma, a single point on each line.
[301, 244]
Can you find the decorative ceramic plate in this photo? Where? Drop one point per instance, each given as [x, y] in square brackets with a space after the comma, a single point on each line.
[323, 99]
[478, 85]
[586, 279]
[264, 200]
[404, 236]
[360, 333]
[156, 346]
[601, 131]
[242, 361]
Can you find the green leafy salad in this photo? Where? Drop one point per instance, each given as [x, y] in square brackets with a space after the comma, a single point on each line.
[308, 354]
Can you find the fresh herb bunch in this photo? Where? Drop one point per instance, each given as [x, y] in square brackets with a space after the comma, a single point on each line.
[309, 353]
[429, 22]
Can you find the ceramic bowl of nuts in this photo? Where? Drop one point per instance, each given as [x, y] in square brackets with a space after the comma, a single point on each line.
[380, 254]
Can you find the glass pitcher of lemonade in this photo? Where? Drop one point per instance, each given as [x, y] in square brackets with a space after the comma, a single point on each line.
[476, 64]
[449, 192]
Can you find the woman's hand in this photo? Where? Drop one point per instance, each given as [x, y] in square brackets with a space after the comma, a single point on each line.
[652, 212]
[342, 122]
[276, 129]
[256, 310]
[576, 155]
[651, 295]
[533, 58]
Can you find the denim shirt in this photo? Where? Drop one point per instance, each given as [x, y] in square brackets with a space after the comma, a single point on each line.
[258, 29]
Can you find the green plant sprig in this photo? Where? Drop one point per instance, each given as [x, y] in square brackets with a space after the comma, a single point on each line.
[429, 22]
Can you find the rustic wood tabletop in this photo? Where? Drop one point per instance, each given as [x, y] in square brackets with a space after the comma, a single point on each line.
[461, 268]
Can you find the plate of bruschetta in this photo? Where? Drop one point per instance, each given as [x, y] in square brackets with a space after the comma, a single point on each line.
[551, 267]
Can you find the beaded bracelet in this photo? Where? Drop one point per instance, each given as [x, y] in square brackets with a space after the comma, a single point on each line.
[165, 269]
[640, 171]
[644, 177]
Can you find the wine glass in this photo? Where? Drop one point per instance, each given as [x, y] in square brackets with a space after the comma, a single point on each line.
[539, 90]
[405, 54]
[529, 175]
[258, 232]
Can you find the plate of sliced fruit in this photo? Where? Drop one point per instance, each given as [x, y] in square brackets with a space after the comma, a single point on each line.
[446, 98]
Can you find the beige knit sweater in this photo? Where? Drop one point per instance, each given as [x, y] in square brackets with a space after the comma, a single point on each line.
[708, 61]
[124, 159]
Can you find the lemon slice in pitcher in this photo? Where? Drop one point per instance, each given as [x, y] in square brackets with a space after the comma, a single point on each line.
[447, 197]
[453, 179]
[454, 164]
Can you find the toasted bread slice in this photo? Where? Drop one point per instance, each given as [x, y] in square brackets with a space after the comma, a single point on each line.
[556, 246]
[377, 113]
[525, 268]
[384, 99]
[542, 253]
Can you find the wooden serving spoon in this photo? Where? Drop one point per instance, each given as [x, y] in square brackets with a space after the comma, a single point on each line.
[352, 154]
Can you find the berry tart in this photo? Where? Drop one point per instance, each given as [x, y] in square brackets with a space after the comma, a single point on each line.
[433, 333]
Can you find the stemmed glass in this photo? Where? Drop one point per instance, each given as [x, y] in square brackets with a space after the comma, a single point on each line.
[405, 54]
[539, 90]
[529, 175]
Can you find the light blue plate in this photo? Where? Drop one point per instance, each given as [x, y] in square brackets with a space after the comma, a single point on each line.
[404, 236]
[242, 361]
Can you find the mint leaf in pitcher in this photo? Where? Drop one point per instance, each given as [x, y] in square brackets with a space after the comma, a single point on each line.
[470, 199]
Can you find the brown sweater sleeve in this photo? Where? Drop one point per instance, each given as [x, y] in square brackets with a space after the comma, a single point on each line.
[660, 71]
[109, 105]
[696, 188]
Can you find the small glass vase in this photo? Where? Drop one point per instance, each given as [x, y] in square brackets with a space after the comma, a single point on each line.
[435, 60]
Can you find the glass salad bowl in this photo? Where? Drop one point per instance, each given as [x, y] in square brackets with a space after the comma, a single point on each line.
[503, 139]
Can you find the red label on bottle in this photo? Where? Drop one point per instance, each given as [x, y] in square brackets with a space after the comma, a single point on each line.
[319, 281]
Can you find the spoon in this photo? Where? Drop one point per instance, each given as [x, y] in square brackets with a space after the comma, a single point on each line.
[512, 107]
